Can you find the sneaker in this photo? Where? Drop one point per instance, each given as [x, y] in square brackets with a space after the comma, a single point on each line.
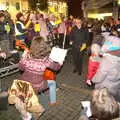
[57, 89]
[74, 71]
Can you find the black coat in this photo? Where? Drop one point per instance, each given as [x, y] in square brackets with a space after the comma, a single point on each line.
[79, 36]
[3, 33]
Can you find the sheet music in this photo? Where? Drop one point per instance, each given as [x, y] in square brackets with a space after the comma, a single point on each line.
[86, 104]
[58, 55]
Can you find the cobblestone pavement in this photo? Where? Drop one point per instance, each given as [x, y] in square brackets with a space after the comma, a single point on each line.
[72, 91]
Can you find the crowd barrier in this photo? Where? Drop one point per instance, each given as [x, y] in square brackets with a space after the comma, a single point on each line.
[9, 65]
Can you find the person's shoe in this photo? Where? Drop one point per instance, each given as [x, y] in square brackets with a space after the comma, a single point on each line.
[54, 104]
[57, 89]
[74, 71]
[79, 73]
[36, 116]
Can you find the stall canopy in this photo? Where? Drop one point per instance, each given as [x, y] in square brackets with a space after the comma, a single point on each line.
[96, 4]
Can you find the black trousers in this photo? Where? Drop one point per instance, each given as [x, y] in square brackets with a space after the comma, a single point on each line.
[61, 38]
[77, 59]
[55, 39]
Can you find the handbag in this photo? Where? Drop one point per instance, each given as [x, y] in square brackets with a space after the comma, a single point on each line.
[49, 75]
[25, 92]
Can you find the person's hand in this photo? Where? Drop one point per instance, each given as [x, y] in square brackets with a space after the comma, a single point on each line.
[71, 42]
[25, 32]
[26, 54]
[61, 63]
[3, 55]
[19, 104]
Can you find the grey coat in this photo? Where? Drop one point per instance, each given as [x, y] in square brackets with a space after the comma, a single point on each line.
[108, 75]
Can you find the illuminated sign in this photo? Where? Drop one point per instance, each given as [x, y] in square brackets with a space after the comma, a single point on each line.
[99, 16]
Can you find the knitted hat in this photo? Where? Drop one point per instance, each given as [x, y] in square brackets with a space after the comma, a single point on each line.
[19, 15]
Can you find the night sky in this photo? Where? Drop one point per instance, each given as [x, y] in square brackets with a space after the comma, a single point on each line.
[74, 7]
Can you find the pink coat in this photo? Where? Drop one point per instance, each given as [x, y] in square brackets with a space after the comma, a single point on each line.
[34, 69]
[43, 29]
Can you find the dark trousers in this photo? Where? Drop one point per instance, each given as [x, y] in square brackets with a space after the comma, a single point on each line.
[77, 59]
[55, 39]
[61, 39]
[12, 41]
[4, 45]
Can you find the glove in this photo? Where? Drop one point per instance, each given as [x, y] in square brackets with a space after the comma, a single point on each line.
[57, 22]
[83, 47]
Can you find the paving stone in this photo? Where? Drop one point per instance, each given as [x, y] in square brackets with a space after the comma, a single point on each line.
[70, 95]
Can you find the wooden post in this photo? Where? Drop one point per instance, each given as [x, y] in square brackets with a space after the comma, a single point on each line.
[115, 9]
[84, 8]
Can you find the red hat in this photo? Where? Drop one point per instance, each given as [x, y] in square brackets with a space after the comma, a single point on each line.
[19, 15]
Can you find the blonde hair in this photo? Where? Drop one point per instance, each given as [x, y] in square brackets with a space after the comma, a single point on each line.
[104, 106]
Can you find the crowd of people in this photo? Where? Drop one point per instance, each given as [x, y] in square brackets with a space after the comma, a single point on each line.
[35, 34]
[103, 65]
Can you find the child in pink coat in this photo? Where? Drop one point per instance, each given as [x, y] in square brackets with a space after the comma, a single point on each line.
[93, 64]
